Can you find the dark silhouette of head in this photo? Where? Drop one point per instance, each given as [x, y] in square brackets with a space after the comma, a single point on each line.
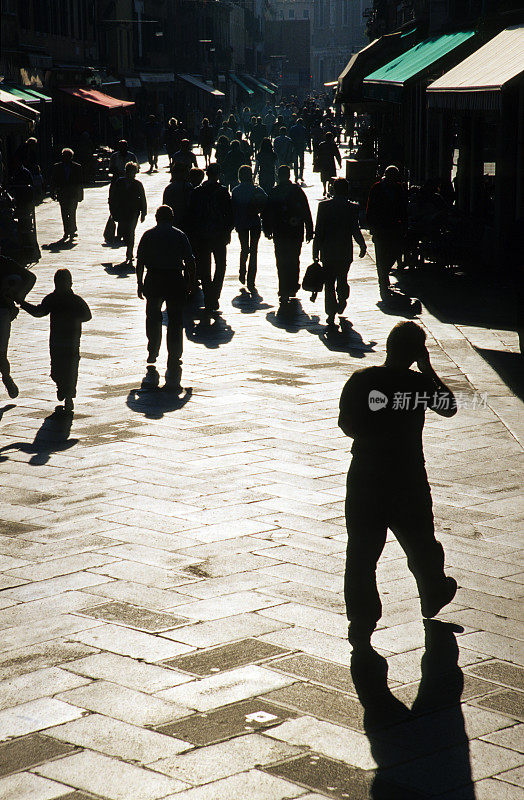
[122, 146]
[164, 215]
[67, 155]
[213, 172]
[340, 187]
[284, 173]
[283, 130]
[196, 176]
[245, 174]
[405, 343]
[265, 145]
[63, 280]
[392, 173]
[131, 169]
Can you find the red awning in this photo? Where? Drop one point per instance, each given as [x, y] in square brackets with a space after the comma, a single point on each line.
[99, 98]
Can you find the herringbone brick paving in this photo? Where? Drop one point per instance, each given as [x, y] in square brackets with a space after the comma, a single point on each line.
[171, 571]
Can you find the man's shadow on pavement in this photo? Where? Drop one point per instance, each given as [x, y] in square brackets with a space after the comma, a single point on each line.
[153, 401]
[211, 331]
[51, 437]
[292, 318]
[432, 731]
[248, 303]
[55, 247]
[121, 270]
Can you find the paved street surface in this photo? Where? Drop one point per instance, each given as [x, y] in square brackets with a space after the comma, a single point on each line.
[171, 568]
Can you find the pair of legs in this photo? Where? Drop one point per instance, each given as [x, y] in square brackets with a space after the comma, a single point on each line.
[402, 503]
[68, 210]
[287, 256]
[211, 284]
[298, 165]
[152, 155]
[155, 299]
[248, 238]
[64, 372]
[126, 231]
[6, 317]
[336, 288]
[388, 249]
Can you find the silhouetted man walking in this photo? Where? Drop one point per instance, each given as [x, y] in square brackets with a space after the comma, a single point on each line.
[165, 253]
[382, 409]
[66, 183]
[387, 215]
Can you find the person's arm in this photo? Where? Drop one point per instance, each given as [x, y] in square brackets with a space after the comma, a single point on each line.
[319, 232]
[140, 265]
[358, 236]
[347, 409]
[442, 400]
[308, 219]
[84, 311]
[338, 156]
[143, 203]
[40, 310]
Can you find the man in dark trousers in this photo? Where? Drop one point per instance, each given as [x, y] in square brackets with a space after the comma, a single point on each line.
[286, 217]
[166, 255]
[211, 222]
[382, 409]
[298, 135]
[152, 130]
[387, 216]
[127, 203]
[66, 187]
[336, 227]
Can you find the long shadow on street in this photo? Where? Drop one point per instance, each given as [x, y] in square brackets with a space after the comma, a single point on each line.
[292, 318]
[51, 437]
[430, 737]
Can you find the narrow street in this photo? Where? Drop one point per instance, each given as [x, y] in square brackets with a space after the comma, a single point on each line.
[171, 569]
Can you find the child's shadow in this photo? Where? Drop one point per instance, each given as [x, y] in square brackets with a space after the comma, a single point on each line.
[51, 437]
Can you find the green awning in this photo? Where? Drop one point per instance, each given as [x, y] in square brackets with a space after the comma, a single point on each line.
[259, 85]
[240, 83]
[39, 95]
[19, 94]
[387, 82]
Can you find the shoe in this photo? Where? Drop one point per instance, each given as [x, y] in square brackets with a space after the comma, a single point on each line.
[252, 288]
[69, 405]
[242, 276]
[172, 384]
[431, 607]
[330, 321]
[341, 306]
[10, 385]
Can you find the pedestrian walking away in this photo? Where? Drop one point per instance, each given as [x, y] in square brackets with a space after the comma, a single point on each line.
[298, 135]
[286, 219]
[117, 169]
[326, 159]
[283, 147]
[185, 156]
[266, 165]
[165, 254]
[248, 203]
[211, 223]
[336, 227]
[383, 410]
[127, 202]
[66, 187]
[67, 312]
[206, 140]
[387, 216]
[176, 195]
[152, 133]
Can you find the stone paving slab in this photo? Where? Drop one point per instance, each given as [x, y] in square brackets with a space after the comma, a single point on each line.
[165, 562]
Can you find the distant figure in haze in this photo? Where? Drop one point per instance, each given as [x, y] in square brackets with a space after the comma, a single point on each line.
[67, 312]
[206, 140]
[165, 253]
[336, 227]
[185, 156]
[152, 132]
[266, 165]
[382, 409]
[327, 157]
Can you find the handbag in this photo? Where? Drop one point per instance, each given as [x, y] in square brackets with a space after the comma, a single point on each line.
[313, 280]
